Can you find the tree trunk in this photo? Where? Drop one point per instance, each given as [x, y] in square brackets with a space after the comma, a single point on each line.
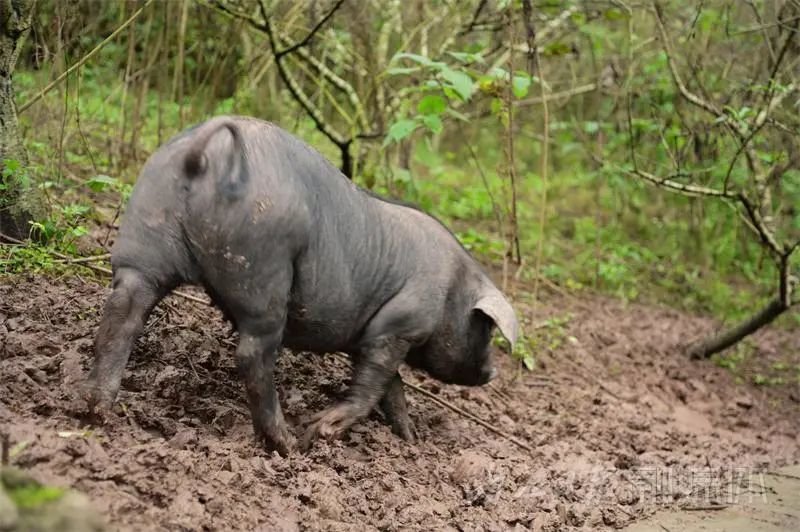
[347, 159]
[15, 23]
[725, 339]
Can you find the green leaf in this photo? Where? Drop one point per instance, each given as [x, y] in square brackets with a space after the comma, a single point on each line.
[466, 57]
[557, 48]
[99, 182]
[32, 495]
[401, 70]
[520, 85]
[498, 73]
[400, 130]
[10, 166]
[455, 114]
[615, 14]
[79, 231]
[530, 363]
[434, 123]
[432, 104]
[421, 59]
[459, 81]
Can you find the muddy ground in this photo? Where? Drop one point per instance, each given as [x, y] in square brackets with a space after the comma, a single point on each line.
[611, 411]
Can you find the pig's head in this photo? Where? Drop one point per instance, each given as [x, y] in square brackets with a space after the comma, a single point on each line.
[460, 351]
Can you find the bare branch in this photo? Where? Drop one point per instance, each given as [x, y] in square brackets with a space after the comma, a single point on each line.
[758, 124]
[761, 27]
[757, 223]
[474, 20]
[541, 35]
[311, 34]
[687, 189]
[774, 71]
[673, 69]
[336, 81]
[218, 5]
[715, 344]
[581, 89]
[298, 94]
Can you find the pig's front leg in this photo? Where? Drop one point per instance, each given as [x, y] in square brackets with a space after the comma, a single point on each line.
[394, 407]
[255, 358]
[374, 371]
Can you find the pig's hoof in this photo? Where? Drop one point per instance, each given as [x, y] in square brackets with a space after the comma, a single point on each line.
[330, 424]
[405, 430]
[99, 415]
[98, 406]
[273, 435]
[283, 442]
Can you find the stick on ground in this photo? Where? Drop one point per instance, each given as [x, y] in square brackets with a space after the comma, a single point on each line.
[488, 426]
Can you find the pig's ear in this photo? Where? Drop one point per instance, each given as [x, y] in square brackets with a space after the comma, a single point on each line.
[496, 306]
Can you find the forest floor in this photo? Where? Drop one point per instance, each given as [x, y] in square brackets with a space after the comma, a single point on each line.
[619, 424]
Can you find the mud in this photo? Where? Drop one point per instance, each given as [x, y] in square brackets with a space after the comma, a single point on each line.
[611, 401]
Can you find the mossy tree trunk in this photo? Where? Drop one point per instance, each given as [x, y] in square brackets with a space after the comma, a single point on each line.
[15, 24]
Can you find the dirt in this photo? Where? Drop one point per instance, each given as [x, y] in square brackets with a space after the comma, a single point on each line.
[774, 506]
[611, 404]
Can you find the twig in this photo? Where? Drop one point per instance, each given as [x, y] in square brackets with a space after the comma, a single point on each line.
[783, 475]
[543, 164]
[475, 16]
[85, 58]
[705, 508]
[190, 297]
[93, 258]
[488, 426]
[542, 35]
[314, 30]
[82, 261]
[761, 27]
[513, 230]
[581, 89]
[673, 69]
[676, 186]
[474, 157]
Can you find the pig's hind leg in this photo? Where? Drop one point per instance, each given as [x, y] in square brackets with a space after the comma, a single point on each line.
[255, 358]
[132, 299]
[259, 311]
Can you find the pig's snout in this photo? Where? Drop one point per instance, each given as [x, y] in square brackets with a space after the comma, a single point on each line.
[488, 374]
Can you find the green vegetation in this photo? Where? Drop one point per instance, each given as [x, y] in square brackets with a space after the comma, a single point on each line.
[32, 496]
[445, 106]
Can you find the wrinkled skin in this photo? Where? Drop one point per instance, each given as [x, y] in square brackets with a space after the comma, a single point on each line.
[295, 254]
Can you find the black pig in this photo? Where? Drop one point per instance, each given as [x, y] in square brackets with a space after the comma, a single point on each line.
[295, 254]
